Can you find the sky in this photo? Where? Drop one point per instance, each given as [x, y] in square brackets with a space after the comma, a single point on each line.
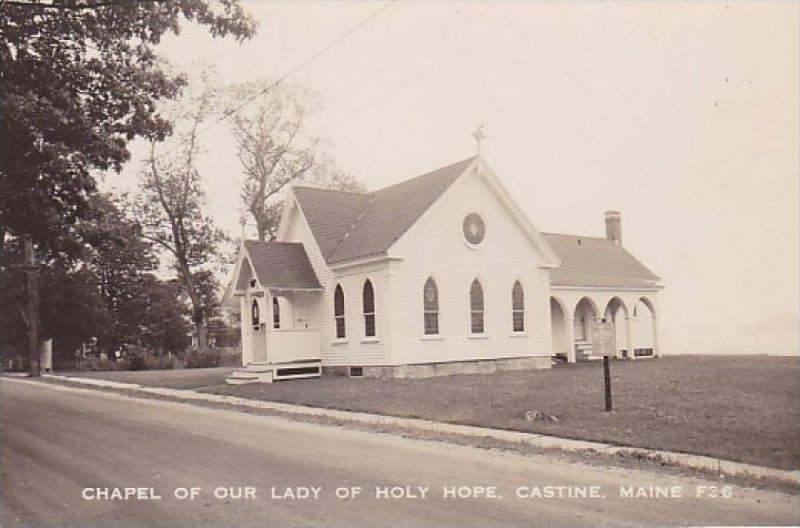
[685, 117]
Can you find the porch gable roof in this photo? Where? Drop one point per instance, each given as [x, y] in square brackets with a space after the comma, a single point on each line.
[596, 262]
[281, 265]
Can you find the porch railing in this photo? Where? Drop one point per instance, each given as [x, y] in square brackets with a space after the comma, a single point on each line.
[284, 346]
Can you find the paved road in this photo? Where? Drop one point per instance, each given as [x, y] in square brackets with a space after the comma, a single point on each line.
[58, 441]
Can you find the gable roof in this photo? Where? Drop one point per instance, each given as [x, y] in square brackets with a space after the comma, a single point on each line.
[598, 262]
[282, 265]
[348, 226]
[330, 214]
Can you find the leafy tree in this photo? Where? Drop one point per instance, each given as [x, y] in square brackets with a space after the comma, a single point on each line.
[275, 148]
[107, 293]
[170, 207]
[72, 311]
[162, 326]
[120, 260]
[79, 80]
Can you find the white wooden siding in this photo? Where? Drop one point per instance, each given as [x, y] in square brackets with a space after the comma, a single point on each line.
[355, 349]
[434, 247]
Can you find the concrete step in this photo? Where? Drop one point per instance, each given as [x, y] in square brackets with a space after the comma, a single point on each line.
[269, 372]
[257, 368]
[242, 376]
[240, 381]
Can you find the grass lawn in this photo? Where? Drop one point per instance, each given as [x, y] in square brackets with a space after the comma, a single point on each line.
[739, 408]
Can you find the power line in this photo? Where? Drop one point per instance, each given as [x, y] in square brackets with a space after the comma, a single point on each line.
[311, 59]
[230, 112]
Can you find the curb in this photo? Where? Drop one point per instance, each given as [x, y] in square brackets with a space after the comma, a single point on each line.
[720, 466]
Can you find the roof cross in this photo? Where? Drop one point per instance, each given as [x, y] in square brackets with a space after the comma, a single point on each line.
[479, 135]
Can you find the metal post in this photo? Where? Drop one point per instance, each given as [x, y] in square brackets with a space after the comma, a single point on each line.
[607, 376]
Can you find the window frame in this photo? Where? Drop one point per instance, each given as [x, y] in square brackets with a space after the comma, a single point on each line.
[276, 313]
[338, 293]
[255, 314]
[517, 310]
[480, 216]
[369, 316]
[475, 310]
[431, 310]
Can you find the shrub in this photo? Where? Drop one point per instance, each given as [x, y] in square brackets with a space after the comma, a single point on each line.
[206, 360]
[146, 361]
[230, 356]
[97, 364]
[135, 361]
[162, 362]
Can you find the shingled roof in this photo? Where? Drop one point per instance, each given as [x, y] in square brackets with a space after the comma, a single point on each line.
[282, 265]
[349, 226]
[591, 261]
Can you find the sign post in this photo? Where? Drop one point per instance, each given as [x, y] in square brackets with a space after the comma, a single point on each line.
[602, 345]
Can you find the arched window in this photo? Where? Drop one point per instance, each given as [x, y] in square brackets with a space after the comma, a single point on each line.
[368, 302]
[476, 307]
[254, 315]
[430, 307]
[518, 307]
[276, 313]
[338, 312]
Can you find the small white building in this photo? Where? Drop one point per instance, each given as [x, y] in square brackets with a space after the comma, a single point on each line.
[436, 275]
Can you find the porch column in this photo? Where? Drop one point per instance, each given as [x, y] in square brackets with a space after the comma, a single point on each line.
[570, 327]
[598, 320]
[615, 328]
[628, 338]
[656, 346]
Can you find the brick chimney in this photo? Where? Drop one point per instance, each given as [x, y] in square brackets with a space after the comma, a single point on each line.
[614, 226]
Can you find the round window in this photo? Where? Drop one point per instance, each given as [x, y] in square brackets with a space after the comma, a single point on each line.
[473, 228]
[254, 313]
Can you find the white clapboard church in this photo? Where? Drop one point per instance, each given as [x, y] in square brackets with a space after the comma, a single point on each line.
[440, 274]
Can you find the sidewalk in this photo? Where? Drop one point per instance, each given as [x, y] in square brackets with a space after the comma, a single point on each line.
[722, 467]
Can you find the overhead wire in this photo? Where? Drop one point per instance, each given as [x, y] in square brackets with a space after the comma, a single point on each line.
[312, 58]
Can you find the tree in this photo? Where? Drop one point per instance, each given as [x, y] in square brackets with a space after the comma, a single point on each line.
[170, 207]
[162, 327]
[275, 148]
[80, 79]
[73, 311]
[107, 292]
[121, 261]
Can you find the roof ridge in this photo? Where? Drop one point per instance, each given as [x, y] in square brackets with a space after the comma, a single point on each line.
[374, 195]
[246, 240]
[415, 178]
[573, 235]
[312, 188]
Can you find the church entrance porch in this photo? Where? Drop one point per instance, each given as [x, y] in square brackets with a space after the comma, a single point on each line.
[279, 299]
[573, 314]
[281, 338]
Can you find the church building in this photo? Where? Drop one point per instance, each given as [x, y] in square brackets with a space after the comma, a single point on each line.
[440, 274]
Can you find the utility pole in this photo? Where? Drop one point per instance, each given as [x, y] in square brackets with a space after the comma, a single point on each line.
[32, 309]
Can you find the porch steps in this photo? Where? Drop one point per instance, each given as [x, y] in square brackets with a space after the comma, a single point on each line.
[583, 351]
[269, 372]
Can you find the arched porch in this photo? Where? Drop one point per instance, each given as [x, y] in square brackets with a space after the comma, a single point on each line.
[574, 313]
[644, 329]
